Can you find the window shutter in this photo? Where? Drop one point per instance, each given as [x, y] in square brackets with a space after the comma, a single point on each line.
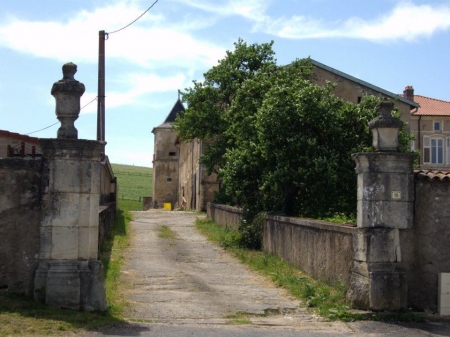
[426, 150]
[447, 151]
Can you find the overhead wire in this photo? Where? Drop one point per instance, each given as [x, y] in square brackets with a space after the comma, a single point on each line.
[107, 34]
[58, 121]
[140, 16]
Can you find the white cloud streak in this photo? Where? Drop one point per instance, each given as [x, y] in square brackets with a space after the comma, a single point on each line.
[406, 21]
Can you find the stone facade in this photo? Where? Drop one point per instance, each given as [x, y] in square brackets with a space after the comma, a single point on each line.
[165, 161]
[195, 187]
[20, 214]
[353, 89]
[178, 176]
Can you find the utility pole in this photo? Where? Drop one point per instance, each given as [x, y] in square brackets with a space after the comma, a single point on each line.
[101, 87]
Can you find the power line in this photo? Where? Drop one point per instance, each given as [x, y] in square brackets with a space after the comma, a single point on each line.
[140, 16]
[58, 121]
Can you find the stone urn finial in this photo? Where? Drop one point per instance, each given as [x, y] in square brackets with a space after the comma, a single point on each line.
[385, 128]
[67, 93]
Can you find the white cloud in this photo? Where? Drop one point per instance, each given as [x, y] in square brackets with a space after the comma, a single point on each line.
[250, 9]
[141, 84]
[77, 39]
[405, 22]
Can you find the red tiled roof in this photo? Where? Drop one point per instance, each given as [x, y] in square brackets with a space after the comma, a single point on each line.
[432, 175]
[431, 107]
[18, 136]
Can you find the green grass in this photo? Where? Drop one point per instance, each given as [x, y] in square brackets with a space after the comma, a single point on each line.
[112, 255]
[166, 233]
[328, 301]
[134, 182]
[22, 316]
[130, 205]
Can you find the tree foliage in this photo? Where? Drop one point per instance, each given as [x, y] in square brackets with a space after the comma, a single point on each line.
[279, 143]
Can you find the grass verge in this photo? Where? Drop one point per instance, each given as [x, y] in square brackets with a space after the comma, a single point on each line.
[328, 301]
[130, 205]
[22, 316]
[112, 256]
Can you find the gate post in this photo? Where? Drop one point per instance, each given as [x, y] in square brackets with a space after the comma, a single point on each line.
[69, 273]
[385, 208]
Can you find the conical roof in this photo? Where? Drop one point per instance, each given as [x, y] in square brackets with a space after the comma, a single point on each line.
[177, 109]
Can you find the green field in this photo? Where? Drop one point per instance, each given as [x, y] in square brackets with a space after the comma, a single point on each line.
[134, 182]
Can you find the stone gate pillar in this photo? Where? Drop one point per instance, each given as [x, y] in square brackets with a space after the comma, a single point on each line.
[385, 207]
[70, 274]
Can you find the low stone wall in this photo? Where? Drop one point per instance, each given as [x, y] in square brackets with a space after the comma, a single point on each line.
[106, 215]
[226, 216]
[20, 215]
[321, 249]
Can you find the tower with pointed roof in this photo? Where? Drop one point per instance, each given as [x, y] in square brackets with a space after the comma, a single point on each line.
[165, 159]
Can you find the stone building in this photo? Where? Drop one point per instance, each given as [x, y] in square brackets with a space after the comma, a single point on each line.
[165, 160]
[430, 123]
[353, 89]
[178, 176]
[16, 145]
[195, 187]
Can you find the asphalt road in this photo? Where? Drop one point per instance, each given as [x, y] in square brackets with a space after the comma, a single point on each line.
[188, 286]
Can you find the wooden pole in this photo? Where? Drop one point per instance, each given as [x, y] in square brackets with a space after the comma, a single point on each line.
[101, 87]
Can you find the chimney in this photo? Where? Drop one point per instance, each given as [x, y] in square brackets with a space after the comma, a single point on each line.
[408, 93]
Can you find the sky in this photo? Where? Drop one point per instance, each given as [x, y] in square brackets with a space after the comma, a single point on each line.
[388, 43]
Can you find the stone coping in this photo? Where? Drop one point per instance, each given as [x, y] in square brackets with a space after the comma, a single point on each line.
[324, 225]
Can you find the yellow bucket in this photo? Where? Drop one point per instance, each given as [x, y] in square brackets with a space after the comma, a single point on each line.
[168, 206]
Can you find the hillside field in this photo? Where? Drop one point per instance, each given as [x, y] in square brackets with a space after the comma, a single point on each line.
[134, 182]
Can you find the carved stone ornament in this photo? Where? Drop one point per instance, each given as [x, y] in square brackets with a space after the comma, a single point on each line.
[385, 128]
[67, 93]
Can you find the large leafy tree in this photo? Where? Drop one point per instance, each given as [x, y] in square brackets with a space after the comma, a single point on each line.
[277, 141]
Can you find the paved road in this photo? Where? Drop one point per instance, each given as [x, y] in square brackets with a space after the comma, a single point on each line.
[187, 286]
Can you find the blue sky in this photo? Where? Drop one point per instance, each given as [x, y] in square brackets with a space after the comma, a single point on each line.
[388, 43]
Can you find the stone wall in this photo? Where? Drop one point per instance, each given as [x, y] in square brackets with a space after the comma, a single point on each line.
[20, 215]
[426, 247]
[321, 249]
[226, 216]
[106, 215]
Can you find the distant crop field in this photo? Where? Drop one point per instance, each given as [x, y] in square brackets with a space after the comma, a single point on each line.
[134, 182]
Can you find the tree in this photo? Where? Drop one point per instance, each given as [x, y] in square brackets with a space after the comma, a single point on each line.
[279, 143]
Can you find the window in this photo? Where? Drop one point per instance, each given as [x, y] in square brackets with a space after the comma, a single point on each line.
[437, 126]
[172, 153]
[435, 150]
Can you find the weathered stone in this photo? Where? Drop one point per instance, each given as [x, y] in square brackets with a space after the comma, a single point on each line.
[385, 128]
[376, 245]
[62, 286]
[67, 93]
[388, 290]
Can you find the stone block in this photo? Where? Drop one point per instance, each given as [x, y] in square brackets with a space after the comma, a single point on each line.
[87, 243]
[45, 247]
[63, 284]
[358, 293]
[94, 200]
[387, 214]
[67, 176]
[382, 186]
[64, 243]
[387, 290]
[376, 245]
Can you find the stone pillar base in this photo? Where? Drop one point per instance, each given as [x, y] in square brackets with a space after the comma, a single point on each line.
[71, 284]
[380, 290]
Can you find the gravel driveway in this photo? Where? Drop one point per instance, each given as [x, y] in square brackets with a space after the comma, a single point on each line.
[189, 286]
